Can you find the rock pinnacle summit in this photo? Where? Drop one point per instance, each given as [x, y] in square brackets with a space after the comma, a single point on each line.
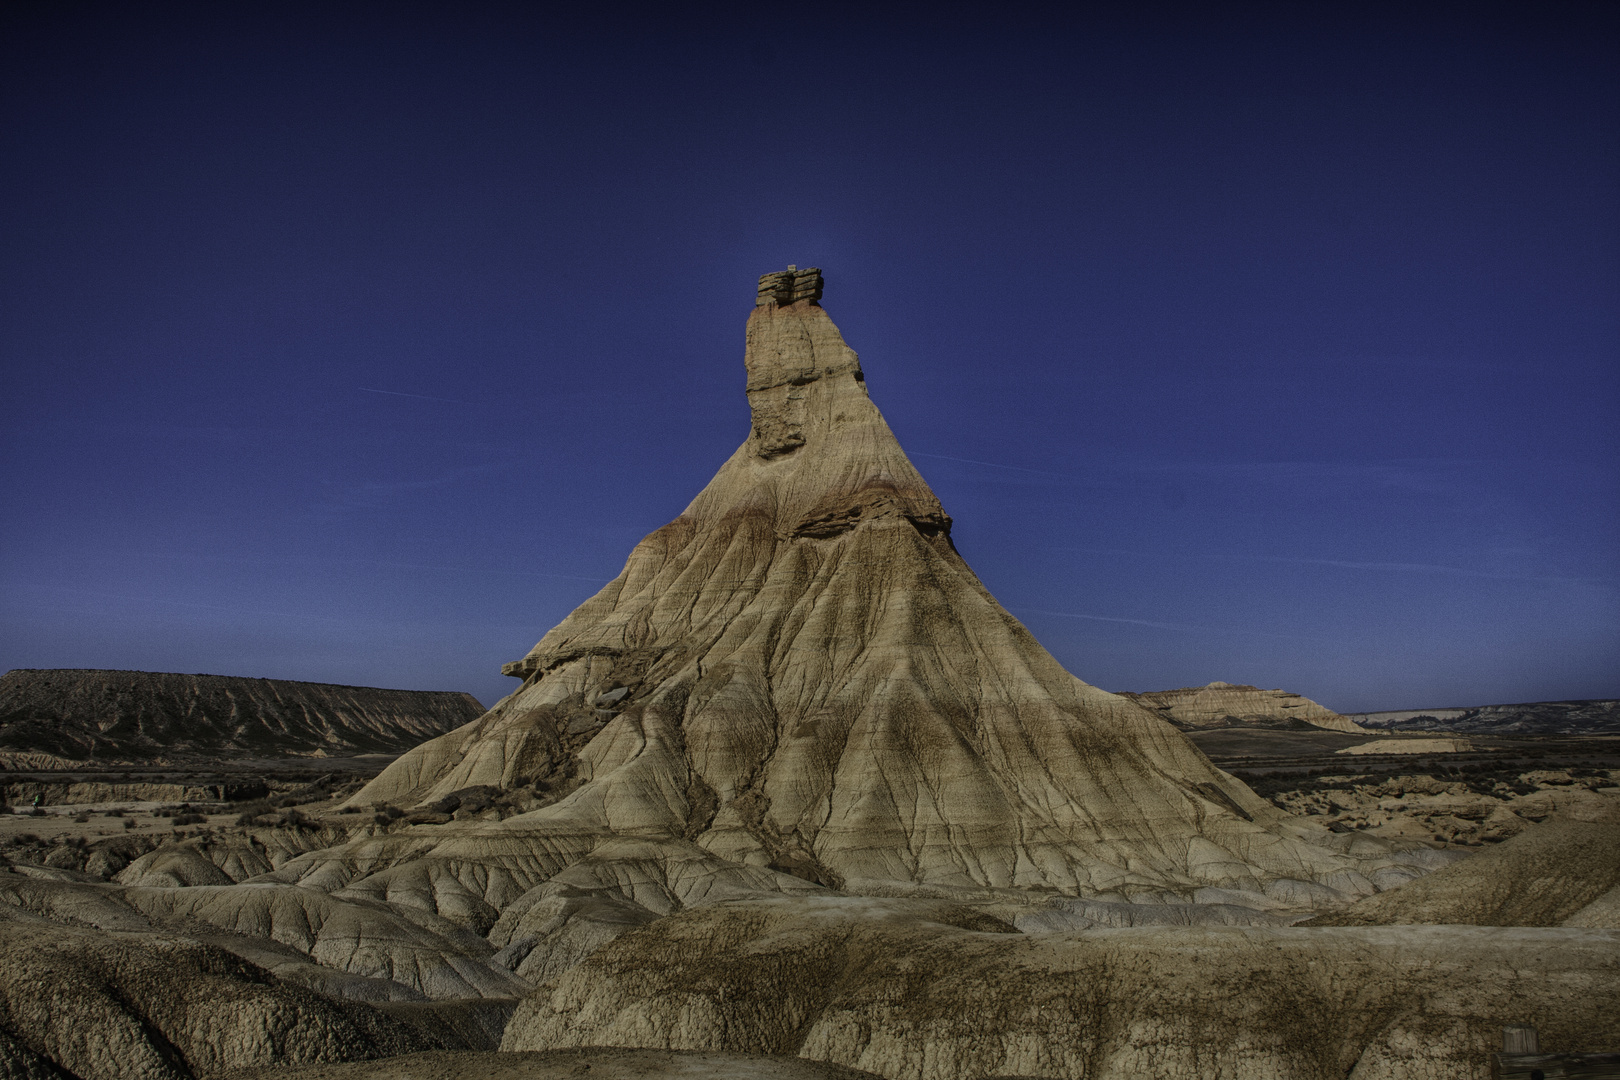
[790, 286]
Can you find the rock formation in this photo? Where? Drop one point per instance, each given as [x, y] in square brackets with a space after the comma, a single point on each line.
[1409, 746]
[1222, 704]
[913, 989]
[55, 718]
[1588, 717]
[113, 1000]
[801, 673]
[1563, 872]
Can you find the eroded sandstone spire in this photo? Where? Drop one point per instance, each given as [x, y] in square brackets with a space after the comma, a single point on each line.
[800, 672]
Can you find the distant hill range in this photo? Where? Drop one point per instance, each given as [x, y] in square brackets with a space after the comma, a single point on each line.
[1594, 717]
[1223, 704]
[61, 717]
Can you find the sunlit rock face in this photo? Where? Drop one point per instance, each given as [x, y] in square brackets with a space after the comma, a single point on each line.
[1223, 704]
[801, 673]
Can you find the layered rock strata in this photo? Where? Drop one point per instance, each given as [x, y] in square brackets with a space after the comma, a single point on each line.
[111, 999]
[1408, 746]
[911, 989]
[1563, 872]
[53, 718]
[1588, 717]
[1222, 704]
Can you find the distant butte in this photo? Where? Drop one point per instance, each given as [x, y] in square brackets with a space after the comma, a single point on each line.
[1223, 704]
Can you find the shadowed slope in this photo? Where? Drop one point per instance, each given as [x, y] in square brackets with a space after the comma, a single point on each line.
[78, 714]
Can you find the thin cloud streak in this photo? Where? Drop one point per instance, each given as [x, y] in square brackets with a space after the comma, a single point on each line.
[359, 617]
[1163, 625]
[994, 465]
[1109, 618]
[1349, 564]
[251, 560]
[376, 495]
[1418, 475]
[419, 397]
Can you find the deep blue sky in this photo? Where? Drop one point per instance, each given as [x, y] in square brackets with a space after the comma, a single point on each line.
[1274, 345]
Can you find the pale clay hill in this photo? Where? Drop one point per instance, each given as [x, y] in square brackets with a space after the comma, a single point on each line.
[800, 673]
[1223, 704]
[793, 783]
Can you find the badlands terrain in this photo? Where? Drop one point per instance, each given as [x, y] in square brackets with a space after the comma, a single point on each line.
[67, 719]
[794, 784]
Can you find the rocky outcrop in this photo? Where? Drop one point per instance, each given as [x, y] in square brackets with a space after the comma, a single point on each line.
[121, 1002]
[1447, 809]
[1563, 872]
[801, 673]
[1590, 717]
[1409, 746]
[1222, 704]
[70, 714]
[909, 989]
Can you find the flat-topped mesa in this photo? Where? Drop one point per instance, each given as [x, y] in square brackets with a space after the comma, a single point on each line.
[1222, 704]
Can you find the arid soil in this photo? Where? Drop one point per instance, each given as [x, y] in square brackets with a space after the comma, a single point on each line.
[906, 991]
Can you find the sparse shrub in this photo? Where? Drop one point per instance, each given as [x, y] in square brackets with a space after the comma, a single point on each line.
[25, 839]
[250, 812]
[316, 791]
[129, 823]
[38, 811]
[113, 813]
[188, 819]
[81, 819]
